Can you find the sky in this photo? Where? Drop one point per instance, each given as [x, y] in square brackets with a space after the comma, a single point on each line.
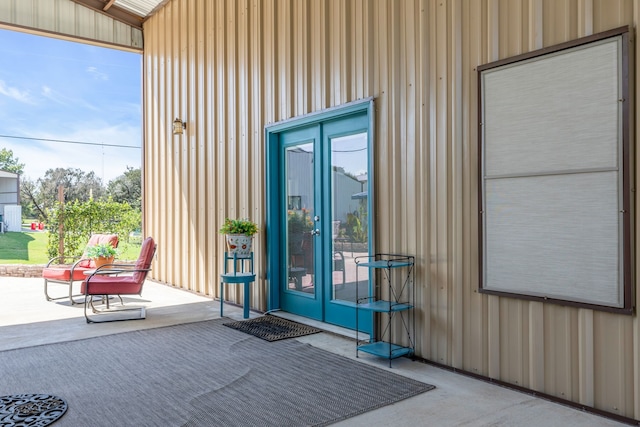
[59, 90]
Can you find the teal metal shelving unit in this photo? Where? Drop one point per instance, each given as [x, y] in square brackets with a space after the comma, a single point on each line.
[398, 305]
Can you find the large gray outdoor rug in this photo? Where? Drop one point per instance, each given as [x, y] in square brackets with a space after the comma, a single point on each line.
[200, 374]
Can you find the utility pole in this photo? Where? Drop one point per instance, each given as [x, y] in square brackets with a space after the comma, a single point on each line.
[61, 221]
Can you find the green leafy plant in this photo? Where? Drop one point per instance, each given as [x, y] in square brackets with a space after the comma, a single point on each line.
[356, 228]
[239, 226]
[299, 222]
[74, 222]
[102, 250]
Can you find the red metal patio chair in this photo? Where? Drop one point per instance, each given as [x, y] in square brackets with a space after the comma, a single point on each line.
[118, 279]
[58, 271]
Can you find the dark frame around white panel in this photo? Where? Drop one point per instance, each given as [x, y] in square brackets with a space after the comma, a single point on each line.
[554, 174]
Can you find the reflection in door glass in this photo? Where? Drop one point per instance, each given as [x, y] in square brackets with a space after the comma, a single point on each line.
[300, 211]
[350, 215]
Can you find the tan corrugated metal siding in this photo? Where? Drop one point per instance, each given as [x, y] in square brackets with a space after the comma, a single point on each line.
[66, 19]
[228, 68]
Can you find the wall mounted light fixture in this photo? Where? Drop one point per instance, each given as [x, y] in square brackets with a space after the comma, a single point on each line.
[179, 126]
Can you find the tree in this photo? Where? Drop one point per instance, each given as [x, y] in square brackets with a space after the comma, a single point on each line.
[81, 219]
[78, 186]
[127, 188]
[29, 200]
[9, 163]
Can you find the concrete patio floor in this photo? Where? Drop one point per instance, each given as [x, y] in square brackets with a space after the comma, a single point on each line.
[27, 319]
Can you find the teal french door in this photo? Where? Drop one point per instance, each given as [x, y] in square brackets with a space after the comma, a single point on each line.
[319, 222]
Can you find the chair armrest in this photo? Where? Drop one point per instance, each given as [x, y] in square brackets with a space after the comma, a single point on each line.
[117, 265]
[75, 264]
[63, 257]
[115, 269]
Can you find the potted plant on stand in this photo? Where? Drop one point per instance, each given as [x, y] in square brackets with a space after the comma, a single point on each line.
[239, 234]
[102, 254]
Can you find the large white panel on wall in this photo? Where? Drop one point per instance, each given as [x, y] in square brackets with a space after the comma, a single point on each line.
[566, 104]
[549, 233]
[552, 163]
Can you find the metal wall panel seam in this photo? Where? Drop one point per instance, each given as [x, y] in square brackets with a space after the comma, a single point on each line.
[8, 11]
[171, 77]
[183, 146]
[25, 12]
[47, 18]
[493, 303]
[383, 128]
[166, 111]
[219, 136]
[179, 143]
[244, 96]
[536, 346]
[443, 179]
[585, 18]
[480, 321]
[209, 142]
[193, 254]
[585, 357]
[255, 132]
[423, 262]
[412, 112]
[431, 43]
[201, 264]
[152, 121]
[536, 309]
[473, 319]
[586, 378]
[458, 208]
[434, 254]
[164, 141]
[634, 143]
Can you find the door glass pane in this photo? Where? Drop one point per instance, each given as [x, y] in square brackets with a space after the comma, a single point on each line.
[350, 215]
[300, 211]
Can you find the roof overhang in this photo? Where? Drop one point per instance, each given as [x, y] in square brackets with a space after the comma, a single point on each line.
[132, 12]
[6, 174]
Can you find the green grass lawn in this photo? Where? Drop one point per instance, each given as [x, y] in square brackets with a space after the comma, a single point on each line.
[23, 248]
[31, 248]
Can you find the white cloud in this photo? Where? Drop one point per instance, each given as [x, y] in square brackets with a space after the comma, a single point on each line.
[97, 75]
[14, 93]
[49, 93]
[61, 99]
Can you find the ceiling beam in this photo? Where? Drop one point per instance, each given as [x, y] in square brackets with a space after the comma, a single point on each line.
[107, 8]
[108, 5]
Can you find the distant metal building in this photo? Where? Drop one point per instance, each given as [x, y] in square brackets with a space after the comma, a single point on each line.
[9, 196]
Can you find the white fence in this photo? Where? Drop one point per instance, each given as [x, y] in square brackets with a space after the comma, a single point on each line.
[13, 218]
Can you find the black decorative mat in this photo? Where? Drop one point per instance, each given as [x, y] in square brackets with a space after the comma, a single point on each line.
[272, 328]
[30, 410]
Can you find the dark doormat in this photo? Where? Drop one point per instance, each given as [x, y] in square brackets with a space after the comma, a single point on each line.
[272, 328]
[30, 410]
